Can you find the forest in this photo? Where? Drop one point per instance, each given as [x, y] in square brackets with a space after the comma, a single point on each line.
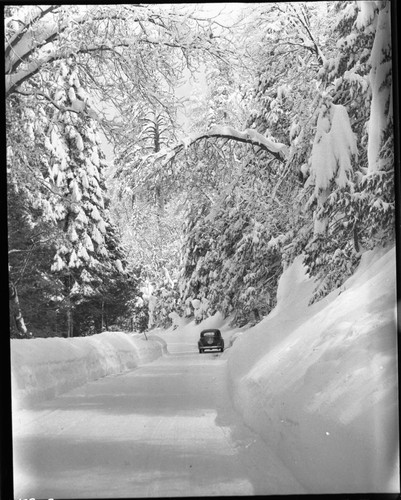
[168, 160]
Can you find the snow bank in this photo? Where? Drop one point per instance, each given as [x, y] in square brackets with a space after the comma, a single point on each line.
[44, 368]
[319, 383]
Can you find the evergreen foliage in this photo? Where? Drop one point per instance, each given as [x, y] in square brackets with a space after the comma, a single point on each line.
[318, 85]
[62, 64]
[359, 210]
[208, 223]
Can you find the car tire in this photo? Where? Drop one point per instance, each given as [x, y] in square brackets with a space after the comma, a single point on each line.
[200, 351]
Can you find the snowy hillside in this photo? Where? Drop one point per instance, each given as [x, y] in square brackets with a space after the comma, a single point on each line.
[319, 383]
[44, 368]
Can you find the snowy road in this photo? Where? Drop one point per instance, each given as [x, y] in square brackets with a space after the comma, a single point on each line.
[165, 429]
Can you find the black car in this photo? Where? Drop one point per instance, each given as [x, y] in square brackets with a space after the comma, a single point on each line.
[210, 339]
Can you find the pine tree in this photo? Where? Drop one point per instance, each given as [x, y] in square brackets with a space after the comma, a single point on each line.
[58, 173]
[337, 182]
[355, 203]
[144, 201]
[232, 255]
[32, 233]
[90, 256]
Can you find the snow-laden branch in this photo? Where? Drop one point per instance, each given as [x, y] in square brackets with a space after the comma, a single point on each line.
[248, 136]
[45, 34]
[43, 27]
[26, 41]
[31, 17]
[16, 79]
[48, 27]
[77, 107]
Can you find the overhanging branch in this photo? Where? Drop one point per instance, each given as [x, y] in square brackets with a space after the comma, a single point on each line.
[249, 136]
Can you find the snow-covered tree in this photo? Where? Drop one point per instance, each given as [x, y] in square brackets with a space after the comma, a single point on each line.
[319, 87]
[143, 200]
[351, 165]
[377, 208]
[63, 161]
[32, 232]
[290, 153]
[233, 240]
[67, 68]
[31, 241]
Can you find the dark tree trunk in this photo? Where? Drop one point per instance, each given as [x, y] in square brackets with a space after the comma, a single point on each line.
[102, 320]
[70, 319]
[356, 239]
[16, 312]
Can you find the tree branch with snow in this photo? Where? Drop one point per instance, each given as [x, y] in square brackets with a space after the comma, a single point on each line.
[248, 136]
[37, 36]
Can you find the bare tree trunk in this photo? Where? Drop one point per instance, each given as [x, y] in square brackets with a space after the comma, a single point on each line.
[102, 323]
[159, 192]
[356, 239]
[70, 319]
[16, 312]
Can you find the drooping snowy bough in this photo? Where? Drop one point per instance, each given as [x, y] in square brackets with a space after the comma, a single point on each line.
[248, 136]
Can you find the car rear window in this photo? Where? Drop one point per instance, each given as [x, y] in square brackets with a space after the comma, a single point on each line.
[210, 334]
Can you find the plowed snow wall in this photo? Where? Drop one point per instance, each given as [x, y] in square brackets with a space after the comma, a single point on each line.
[319, 382]
[45, 368]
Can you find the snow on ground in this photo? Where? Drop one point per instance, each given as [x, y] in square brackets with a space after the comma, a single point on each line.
[319, 383]
[45, 368]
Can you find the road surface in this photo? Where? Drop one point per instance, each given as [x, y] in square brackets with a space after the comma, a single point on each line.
[166, 429]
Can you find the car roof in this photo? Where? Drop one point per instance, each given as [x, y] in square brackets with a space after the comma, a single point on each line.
[212, 330]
